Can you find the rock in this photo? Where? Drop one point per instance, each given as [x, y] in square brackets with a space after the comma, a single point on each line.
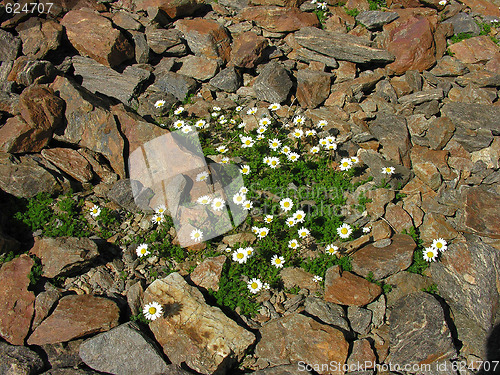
[206, 38]
[273, 83]
[362, 352]
[405, 283]
[176, 84]
[294, 276]
[481, 213]
[69, 371]
[64, 354]
[411, 40]
[360, 319]
[384, 262]
[16, 302]
[99, 78]
[19, 360]
[379, 199]
[94, 36]
[9, 46]
[422, 97]
[419, 333]
[398, 218]
[327, 312]
[247, 49]
[41, 112]
[76, 316]
[27, 71]
[463, 23]
[126, 21]
[123, 193]
[228, 80]
[123, 350]
[277, 19]
[141, 48]
[440, 132]
[375, 19]
[40, 37]
[481, 79]
[435, 226]
[90, 124]
[160, 40]
[473, 139]
[70, 162]
[64, 255]
[25, 177]
[173, 8]
[198, 67]
[306, 55]
[474, 50]
[341, 46]
[312, 87]
[239, 238]
[295, 369]
[296, 338]
[483, 7]
[449, 66]
[43, 304]
[345, 288]
[207, 274]
[192, 331]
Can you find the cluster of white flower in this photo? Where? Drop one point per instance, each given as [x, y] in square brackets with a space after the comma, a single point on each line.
[255, 285]
[241, 255]
[431, 253]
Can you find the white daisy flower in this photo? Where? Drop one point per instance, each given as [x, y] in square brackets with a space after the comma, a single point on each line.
[317, 278]
[232, 121]
[268, 218]
[161, 209]
[443, 2]
[388, 170]
[331, 146]
[265, 122]
[274, 162]
[274, 106]
[205, 199]
[179, 124]
[299, 216]
[247, 205]
[265, 159]
[255, 230]
[214, 114]
[142, 250]
[218, 204]
[152, 311]
[293, 156]
[263, 232]
[344, 231]
[354, 160]
[245, 169]
[285, 150]
[345, 164]
[228, 250]
[310, 132]
[274, 144]
[159, 103]
[322, 123]
[303, 232]
[332, 249]
[297, 133]
[238, 108]
[252, 111]
[323, 142]
[255, 285]
[299, 120]
[196, 235]
[286, 204]
[266, 286]
[366, 230]
[293, 244]
[222, 121]
[260, 137]
[216, 109]
[187, 129]
[202, 176]
[261, 130]
[243, 190]
[249, 251]
[95, 211]
[157, 219]
[247, 142]
[200, 124]
[430, 254]
[440, 244]
[239, 198]
[314, 150]
[277, 261]
[222, 149]
[179, 110]
[241, 126]
[240, 255]
[224, 160]
[330, 139]
[291, 222]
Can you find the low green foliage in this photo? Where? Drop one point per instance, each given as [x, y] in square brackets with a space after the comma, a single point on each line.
[319, 265]
[36, 271]
[362, 201]
[419, 265]
[351, 12]
[377, 4]
[139, 318]
[386, 288]
[432, 289]
[460, 36]
[322, 16]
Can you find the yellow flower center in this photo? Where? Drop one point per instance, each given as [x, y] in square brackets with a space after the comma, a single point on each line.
[143, 250]
[343, 230]
[430, 254]
[273, 162]
[345, 164]
[263, 233]
[439, 245]
[278, 261]
[152, 310]
[239, 256]
[287, 204]
[254, 285]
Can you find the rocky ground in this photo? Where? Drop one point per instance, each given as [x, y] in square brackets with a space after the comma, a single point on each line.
[411, 84]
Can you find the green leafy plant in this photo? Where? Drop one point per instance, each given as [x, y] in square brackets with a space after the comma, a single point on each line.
[377, 4]
[351, 12]
[432, 289]
[36, 271]
[386, 288]
[139, 318]
[419, 265]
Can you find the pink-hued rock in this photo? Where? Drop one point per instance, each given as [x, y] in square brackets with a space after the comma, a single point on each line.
[71, 162]
[173, 8]
[16, 302]
[76, 316]
[278, 19]
[207, 273]
[94, 36]
[481, 213]
[484, 7]
[247, 49]
[474, 50]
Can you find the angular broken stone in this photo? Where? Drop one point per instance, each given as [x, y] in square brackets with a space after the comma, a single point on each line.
[472, 116]
[27, 71]
[279, 19]
[64, 255]
[422, 97]
[94, 36]
[176, 84]
[193, 332]
[19, 360]
[247, 49]
[71, 162]
[16, 302]
[159, 40]
[328, 312]
[474, 50]
[273, 83]
[228, 80]
[198, 67]
[40, 37]
[341, 46]
[207, 274]
[9, 46]
[481, 212]
[375, 19]
[313, 87]
[76, 316]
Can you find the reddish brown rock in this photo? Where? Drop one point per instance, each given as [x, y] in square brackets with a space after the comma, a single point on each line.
[281, 3]
[71, 162]
[440, 132]
[474, 50]
[173, 8]
[380, 230]
[362, 352]
[198, 67]
[411, 40]
[61, 256]
[40, 36]
[16, 302]
[494, 64]
[296, 338]
[76, 316]
[94, 36]
[294, 276]
[43, 304]
[484, 7]
[207, 274]
[206, 38]
[345, 288]
[398, 218]
[247, 49]
[481, 212]
[313, 87]
[384, 261]
[379, 199]
[278, 19]
[435, 226]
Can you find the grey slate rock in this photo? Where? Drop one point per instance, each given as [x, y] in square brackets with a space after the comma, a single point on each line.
[122, 193]
[273, 83]
[473, 140]
[375, 19]
[176, 84]
[141, 47]
[473, 116]
[100, 78]
[419, 333]
[327, 312]
[227, 80]
[9, 46]
[360, 319]
[422, 97]
[341, 46]
[463, 23]
[19, 360]
[307, 55]
[30, 70]
[124, 350]
[160, 40]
